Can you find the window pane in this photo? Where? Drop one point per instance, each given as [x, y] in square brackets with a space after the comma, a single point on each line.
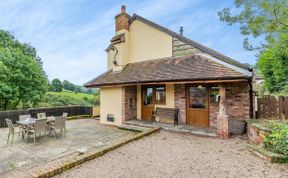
[148, 95]
[197, 97]
[160, 95]
[214, 96]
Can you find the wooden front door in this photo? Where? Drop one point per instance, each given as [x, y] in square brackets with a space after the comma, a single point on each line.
[147, 103]
[197, 106]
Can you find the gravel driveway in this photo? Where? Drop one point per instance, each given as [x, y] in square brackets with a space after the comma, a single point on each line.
[168, 154]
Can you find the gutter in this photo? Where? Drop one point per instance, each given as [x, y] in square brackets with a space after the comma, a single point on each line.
[250, 98]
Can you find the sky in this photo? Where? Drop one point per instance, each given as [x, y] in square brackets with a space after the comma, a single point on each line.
[71, 36]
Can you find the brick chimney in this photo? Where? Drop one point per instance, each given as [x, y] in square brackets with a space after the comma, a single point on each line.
[122, 20]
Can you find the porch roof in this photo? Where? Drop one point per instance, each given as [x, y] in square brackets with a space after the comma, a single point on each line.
[187, 68]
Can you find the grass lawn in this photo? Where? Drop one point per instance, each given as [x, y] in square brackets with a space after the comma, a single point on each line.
[78, 96]
[66, 98]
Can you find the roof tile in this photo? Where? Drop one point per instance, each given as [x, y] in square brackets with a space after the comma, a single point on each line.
[187, 68]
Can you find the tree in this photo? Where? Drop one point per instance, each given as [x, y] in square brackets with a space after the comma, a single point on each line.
[56, 85]
[259, 17]
[77, 89]
[22, 78]
[273, 63]
[68, 86]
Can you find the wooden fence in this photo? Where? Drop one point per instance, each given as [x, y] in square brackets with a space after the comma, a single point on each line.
[53, 111]
[270, 107]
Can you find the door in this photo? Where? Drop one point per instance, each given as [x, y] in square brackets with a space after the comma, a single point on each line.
[197, 106]
[147, 103]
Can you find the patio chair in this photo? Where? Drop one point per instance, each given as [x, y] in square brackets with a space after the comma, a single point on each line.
[65, 114]
[22, 118]
[59, 124]
[39, 127]
[13, 130]
[41, 115]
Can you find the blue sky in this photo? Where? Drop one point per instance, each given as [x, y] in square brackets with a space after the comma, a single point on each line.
[71, 36]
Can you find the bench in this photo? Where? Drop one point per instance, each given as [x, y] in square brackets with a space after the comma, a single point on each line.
[167, 113]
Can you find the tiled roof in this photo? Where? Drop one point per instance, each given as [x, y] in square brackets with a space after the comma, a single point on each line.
[192, 43]
[187, 68]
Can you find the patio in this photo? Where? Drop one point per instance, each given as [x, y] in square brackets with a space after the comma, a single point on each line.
[82, 136]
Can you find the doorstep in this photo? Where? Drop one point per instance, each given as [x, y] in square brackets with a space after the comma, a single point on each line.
[198, 131]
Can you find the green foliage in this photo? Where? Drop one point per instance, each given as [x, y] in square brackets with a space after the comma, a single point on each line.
[76, 88]
[277, 141]
[273, 63]
[66, 98]
[258, 17]
[56, 85]
[68, 86]
[22, 79]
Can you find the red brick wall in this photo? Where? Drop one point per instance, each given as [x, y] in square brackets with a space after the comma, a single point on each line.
[213, 112]
[180, 102]
[129, 103]
[237, 95]
[237, 102]
[122, 21]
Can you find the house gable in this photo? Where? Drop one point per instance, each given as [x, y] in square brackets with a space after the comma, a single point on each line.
[145, 41]
[184, 46]
[148, 43]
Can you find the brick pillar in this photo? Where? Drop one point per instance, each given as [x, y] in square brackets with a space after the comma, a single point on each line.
[222, 117]
[129, 103]
[180, 102]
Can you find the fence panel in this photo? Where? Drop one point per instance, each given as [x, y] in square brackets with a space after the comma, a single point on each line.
[51, 111]
[271, 107]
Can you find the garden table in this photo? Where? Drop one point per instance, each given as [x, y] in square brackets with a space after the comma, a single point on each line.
[28, 121]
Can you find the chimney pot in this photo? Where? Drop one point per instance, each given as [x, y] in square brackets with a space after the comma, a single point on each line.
[123, 9]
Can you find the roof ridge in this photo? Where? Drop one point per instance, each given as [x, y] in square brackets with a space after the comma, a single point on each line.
[195, 44]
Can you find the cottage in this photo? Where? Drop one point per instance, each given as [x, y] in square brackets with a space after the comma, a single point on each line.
[150, 66]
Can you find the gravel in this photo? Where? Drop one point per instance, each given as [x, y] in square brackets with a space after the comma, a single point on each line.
[168, 154]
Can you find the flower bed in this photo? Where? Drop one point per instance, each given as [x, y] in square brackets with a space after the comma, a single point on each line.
[269, 135]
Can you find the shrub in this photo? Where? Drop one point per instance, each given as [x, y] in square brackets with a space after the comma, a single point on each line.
[277, 141]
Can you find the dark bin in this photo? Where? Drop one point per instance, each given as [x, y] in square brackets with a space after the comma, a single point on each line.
[237, 126]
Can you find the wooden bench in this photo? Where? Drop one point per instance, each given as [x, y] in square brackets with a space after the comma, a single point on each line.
[167, 113]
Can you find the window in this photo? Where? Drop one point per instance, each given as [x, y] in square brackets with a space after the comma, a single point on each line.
[130, 102]
[154, 95]
[148, 96]
[214, 95]
[160, 95]
[197, 97]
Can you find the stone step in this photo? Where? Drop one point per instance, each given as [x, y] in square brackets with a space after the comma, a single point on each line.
[267, 155]
[133, 128]
[171, 127]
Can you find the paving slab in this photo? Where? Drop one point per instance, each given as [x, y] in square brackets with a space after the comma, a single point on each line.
[83, 135]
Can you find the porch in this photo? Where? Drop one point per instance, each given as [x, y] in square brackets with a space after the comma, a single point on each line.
[204, 107]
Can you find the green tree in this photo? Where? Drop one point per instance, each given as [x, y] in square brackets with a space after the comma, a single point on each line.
[77, 89]
[68, 86]
[273, 63]
[22, 78]
[258, 17]
[56, 85]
